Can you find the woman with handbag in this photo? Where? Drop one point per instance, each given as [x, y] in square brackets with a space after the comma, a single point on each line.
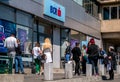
[47, 50]
[37, 56]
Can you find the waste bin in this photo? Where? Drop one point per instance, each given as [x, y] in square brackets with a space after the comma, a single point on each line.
[6, 65]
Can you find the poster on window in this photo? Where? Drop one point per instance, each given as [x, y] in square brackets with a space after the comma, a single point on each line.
[84, 43]
[22, 35]
[6, 28]
[72, 42]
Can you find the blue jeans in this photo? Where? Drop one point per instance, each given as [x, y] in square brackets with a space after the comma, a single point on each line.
[94, 65]
[18, 62]
[67, 57]
[101, 61]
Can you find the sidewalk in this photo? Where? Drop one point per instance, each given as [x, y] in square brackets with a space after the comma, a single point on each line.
[59, 77]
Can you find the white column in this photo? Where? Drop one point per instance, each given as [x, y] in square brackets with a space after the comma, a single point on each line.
[101, 69]
[118, 69]
[68, 70]
[48, 71]
[88, 70]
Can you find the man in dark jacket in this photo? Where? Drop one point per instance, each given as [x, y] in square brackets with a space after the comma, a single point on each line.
[76, 57]
[93, 54]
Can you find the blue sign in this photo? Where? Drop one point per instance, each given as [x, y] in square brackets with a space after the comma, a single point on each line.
[6, 28]
[54, 10]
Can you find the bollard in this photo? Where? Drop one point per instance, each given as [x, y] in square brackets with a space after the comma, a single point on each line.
[118, 69]
[48, 71]
[68, 71]
[88, 70]
[101, 69]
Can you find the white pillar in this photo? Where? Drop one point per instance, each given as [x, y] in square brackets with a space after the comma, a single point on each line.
[48, 71]
[101, 69]
[68, 70]
[88, 70]
[118, 69]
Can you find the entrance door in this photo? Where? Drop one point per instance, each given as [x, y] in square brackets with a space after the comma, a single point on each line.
[56, 48]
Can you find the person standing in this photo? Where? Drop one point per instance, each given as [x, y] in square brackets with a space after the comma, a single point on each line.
[84, 58]
[36, 54]
[111, 62]
[47, 50]
[11, 43]
[18, 59]
[102, 55]
[93, 55]
[67, 53]
[76, 57]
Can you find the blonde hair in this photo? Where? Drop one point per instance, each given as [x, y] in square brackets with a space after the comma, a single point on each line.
[47, 43]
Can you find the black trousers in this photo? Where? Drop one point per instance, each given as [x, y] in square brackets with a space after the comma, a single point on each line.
[111, 74]
[77, 67]
[84, 66]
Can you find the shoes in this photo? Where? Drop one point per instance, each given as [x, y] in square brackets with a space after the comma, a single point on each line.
[23, 73]
[37, 73]
[111, 79]
[16, 72]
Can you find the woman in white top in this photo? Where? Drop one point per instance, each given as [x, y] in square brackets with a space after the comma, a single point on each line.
[47, 50]
[36, 52]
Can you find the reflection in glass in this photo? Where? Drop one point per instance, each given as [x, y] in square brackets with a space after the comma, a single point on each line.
[113, 12]
[64, 39]
[106, 13]
[24, 34]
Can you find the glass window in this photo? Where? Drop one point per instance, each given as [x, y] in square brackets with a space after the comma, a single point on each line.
[7, 13]
[24, 18]
[80, 2]
[46, 29]
[106, 13]
[35, 27]
[24, 34]
[64, 39]
[75, 37]
[113, 12]
[6, 28]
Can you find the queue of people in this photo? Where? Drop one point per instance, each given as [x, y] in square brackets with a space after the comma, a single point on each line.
[40, 55]
[89, 54]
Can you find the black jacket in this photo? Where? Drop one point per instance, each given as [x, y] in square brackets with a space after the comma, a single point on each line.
[18, 50]
[76, 53]
[93, 51]
[68, 50]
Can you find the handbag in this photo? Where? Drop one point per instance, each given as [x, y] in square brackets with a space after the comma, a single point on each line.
[39, 57]
[43, 58]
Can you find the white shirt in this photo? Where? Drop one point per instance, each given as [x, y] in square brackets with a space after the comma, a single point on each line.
[36, 51]
[10, 43]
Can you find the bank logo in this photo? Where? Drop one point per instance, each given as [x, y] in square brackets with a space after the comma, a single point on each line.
[56, 11]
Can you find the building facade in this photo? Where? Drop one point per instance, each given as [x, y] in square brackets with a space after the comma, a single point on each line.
[60, 20]
[110, 23]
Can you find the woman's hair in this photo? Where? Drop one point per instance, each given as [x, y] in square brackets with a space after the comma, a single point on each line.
[84, 46]
[18, 40]
[47, 43]
[37, 44]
